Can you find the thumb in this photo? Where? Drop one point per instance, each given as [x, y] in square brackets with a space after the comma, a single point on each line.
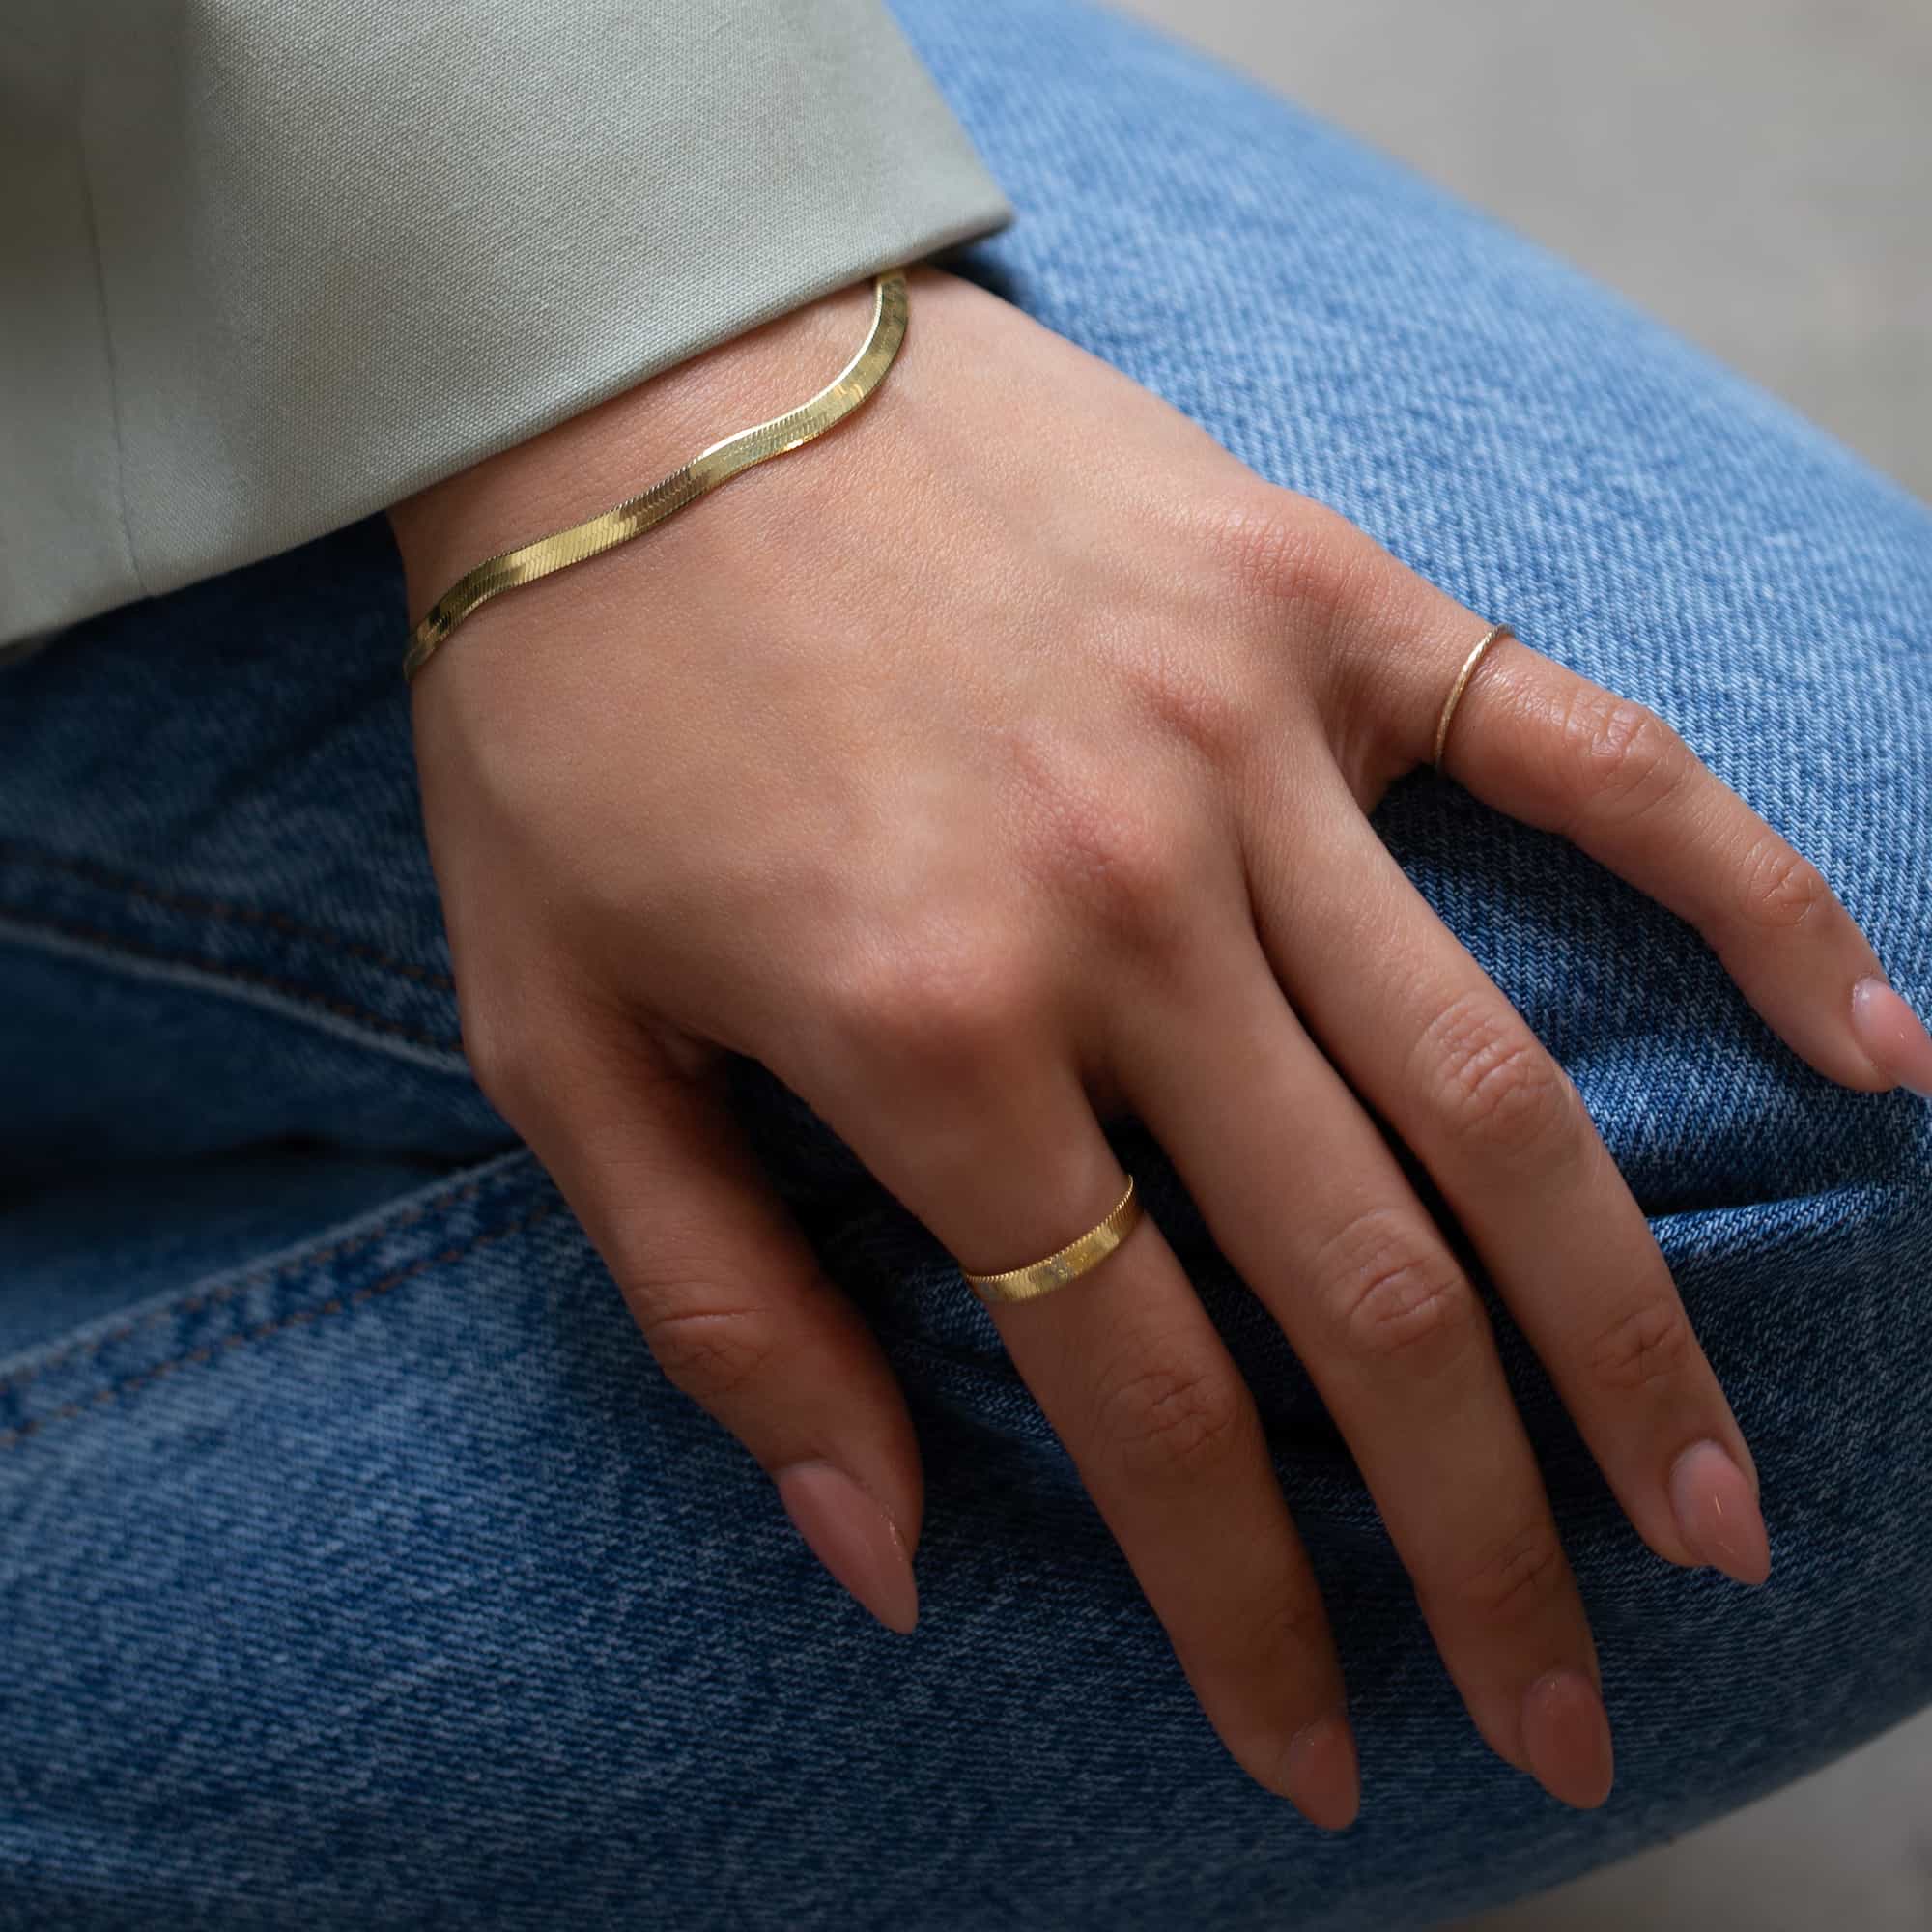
[640, 1138]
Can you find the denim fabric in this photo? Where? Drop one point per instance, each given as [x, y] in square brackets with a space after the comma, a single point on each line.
[357, 1566]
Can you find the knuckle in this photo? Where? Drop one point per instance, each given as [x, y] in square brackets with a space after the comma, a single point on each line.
[1649, 1344]
[1173, 1419]
[939, 1010]
[1495, 1087]
[1289, 555]
[1781, 888]
[1112, 855]
[709, 1348]
[1196, 698]
[1512, 1580]
[1629, 759]
[1395, 1295]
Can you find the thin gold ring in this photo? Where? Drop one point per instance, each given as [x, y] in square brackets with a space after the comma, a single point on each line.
[1038, 1278]
[1462, 679]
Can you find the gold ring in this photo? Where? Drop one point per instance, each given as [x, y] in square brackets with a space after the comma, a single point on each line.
[1463, 677]
[1027, 1284]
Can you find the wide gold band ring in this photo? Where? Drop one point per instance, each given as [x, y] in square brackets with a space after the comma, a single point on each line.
[1456, 690]
[1038, 1278]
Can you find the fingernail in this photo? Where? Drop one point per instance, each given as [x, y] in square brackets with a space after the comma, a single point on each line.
[1717, 1515]
[1892, 1035]
[1566, 1735]
[1322, 1775]
[854, 1538]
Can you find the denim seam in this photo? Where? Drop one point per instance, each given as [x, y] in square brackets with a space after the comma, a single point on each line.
[336, 1304]
[196, 1304]
[116, 942]
[96, 874]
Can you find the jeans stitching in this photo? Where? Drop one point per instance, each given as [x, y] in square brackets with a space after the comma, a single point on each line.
[195, 1304]
[118, 942]
[336, 1304]
[94, 874]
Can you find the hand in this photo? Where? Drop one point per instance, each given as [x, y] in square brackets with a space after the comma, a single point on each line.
[1001, 761]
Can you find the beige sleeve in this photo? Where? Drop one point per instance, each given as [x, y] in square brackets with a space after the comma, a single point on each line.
[267, 268]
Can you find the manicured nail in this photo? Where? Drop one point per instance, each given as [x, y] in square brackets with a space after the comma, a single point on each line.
[1717, 1515]
[1566, 1736]
[1322, 1775]
[1891, 1035]
[854, 1538]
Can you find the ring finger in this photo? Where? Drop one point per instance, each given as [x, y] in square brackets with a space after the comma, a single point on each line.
[1004, 1160]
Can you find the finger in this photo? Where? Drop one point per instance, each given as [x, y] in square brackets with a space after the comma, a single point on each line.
[736, 1311]
[1534, 739]
[998, 1153]
[1303, 1196]
[1429, 1040]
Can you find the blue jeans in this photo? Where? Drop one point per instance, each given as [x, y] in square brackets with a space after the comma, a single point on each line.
[357, 1565]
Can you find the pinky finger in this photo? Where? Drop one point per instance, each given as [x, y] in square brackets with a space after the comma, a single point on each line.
[1556, 751]
[640, 1141]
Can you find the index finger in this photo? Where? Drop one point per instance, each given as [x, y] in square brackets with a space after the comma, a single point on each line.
[1549, 746]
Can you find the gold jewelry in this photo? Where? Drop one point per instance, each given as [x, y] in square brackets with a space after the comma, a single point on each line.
[705, 471]
[1028, 1283]
[1463, 677]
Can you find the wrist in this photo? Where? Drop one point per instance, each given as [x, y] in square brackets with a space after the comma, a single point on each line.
[618, 448]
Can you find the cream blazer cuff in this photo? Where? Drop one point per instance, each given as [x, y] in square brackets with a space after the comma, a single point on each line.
[266, 265]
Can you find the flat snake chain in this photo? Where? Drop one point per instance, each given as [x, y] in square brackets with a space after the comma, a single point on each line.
[705, 471]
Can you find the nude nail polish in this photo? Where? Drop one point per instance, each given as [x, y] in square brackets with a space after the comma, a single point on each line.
[1566, 1736]
[1716, 1513]
[854, 1538]
[1893, 1036]
[1322, 1778]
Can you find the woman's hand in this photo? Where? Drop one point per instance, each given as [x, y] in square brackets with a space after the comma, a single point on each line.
[1002, 761]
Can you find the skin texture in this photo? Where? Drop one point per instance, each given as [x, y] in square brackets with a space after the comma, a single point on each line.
[984, 787]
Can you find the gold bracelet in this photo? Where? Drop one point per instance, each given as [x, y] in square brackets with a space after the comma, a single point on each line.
[704, 471]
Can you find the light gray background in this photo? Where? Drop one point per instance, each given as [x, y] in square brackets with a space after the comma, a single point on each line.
[1758, 173]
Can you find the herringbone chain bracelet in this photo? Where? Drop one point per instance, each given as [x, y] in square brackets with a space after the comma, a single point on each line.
[704, 471]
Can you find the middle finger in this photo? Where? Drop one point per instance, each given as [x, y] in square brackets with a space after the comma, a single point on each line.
[1432, 1042]
[1304, 1198]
